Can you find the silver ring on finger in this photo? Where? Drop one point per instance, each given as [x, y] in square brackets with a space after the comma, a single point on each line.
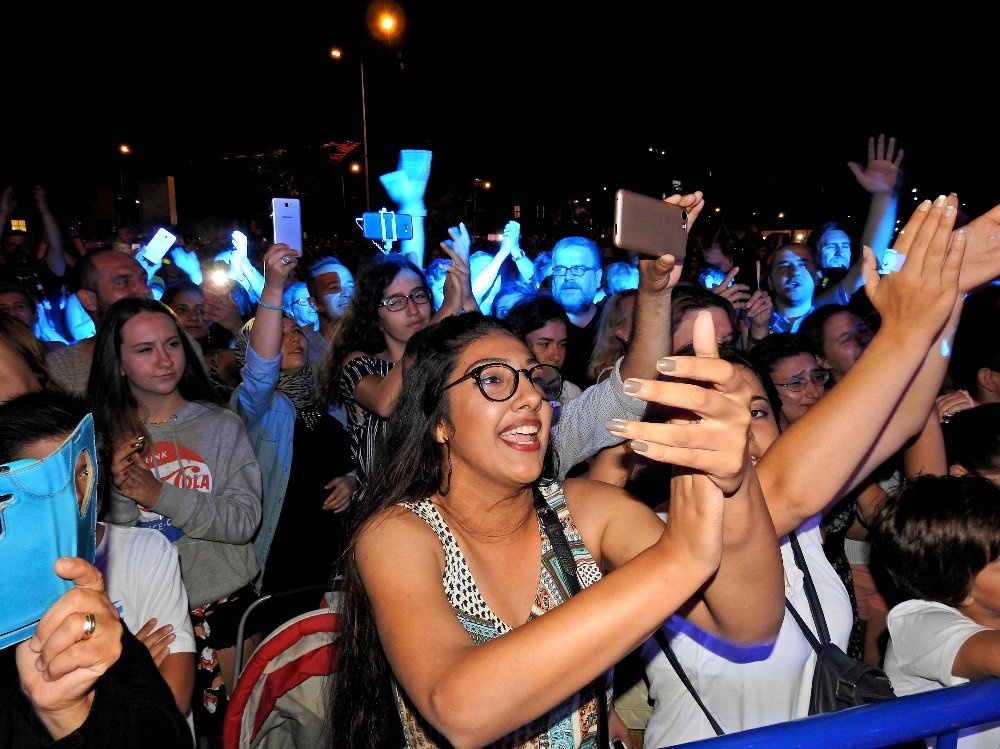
[285, 260]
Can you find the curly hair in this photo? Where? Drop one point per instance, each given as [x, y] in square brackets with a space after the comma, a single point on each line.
[359, 329]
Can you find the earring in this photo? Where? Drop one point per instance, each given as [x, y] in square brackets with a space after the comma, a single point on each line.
[443, 491]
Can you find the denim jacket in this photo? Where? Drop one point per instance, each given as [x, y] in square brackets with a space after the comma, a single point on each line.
[270, 420]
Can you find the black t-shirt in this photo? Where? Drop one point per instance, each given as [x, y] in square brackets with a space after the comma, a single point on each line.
[579, 347]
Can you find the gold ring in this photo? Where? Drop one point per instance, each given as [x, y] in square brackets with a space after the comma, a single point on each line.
[89, 625]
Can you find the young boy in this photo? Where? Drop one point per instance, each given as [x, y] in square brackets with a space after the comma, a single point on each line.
[939, 538]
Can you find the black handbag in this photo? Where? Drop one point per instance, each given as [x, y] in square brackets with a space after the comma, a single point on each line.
[839, 681]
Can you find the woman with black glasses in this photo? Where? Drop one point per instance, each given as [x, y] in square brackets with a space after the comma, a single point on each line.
[458, 624]
[392, 302]
[799, 379]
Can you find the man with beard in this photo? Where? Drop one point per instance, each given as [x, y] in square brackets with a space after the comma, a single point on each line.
[576, 278]
[793, 276]
[102, 278]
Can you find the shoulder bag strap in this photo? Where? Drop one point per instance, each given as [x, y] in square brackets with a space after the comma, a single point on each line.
[814, 604]
[668, 651]
[557, 537]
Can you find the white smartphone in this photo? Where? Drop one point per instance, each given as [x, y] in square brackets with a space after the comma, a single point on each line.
[287, 221]
[158, 246]
[650, 226]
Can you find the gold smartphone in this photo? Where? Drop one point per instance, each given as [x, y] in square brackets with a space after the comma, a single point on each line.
[650, 226]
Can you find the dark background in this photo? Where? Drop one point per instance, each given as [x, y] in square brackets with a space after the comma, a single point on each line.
[552, 102]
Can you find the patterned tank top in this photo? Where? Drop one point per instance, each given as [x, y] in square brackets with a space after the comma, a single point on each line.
[571, 724]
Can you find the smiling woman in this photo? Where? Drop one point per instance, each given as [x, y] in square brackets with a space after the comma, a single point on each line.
[455, 550]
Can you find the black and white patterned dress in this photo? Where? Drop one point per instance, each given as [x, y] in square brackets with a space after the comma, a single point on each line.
[364, 425]
[571, 724]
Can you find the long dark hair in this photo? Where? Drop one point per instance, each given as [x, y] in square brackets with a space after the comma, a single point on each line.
[408, 464]
[116, 410]
[358, 329]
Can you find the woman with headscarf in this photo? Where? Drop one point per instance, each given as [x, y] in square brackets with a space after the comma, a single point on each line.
[300, 447]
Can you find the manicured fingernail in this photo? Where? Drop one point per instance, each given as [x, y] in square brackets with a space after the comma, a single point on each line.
[925, 206]
[666, 364]
[631, 386]
[949, 210]
[615, 425]
[639, 446]
[170, 628]
[940, 200]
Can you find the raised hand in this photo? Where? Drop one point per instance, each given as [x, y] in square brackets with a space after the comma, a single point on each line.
[460, 243]
[738, 294]
[279, 263]
[7, 202]
[982, 256]
[882, 174]
[222, 310]
[922, 295]
[187, 262]
[712, 402]
[157, 641]
[691, 202]
[41, 201]
[60, 664]
[758, 311]
[510, 242]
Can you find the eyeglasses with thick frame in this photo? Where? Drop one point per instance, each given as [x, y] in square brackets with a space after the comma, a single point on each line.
[574, 270]
[397, 302]
[498, 381]
[818, 377]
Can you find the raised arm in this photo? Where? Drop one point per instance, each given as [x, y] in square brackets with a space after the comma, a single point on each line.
[512, 236]
[798, 477]
[54, 258]
[882, 178]
[406, 186]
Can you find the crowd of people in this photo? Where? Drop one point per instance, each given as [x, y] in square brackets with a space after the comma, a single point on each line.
[559, 490]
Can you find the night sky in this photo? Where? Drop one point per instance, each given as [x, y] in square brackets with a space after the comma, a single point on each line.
[547, 100]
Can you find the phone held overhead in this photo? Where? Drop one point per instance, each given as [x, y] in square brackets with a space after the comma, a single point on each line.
[649, 226]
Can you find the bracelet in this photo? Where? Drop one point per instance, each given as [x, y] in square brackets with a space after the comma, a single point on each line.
[265, 305]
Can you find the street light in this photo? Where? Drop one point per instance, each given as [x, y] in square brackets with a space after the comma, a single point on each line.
[385, 22]
[477, 185]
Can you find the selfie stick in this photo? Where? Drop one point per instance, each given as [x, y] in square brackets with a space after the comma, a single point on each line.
[388, 220]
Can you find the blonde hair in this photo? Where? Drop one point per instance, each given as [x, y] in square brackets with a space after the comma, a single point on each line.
[608, 347]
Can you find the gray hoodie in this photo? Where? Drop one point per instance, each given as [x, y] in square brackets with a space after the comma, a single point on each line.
[210, 506]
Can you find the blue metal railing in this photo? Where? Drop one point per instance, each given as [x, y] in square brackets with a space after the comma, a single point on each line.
[941, 713]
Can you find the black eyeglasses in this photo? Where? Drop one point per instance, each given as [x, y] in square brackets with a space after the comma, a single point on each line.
[573, 270]
[498, 382]
[397, 302]
[818, 377]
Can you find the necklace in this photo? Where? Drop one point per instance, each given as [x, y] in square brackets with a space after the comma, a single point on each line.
[160, 423]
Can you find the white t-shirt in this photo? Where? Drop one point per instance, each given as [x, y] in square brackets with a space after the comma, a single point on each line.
[924, 639]
[746, 687]
[142, 573]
